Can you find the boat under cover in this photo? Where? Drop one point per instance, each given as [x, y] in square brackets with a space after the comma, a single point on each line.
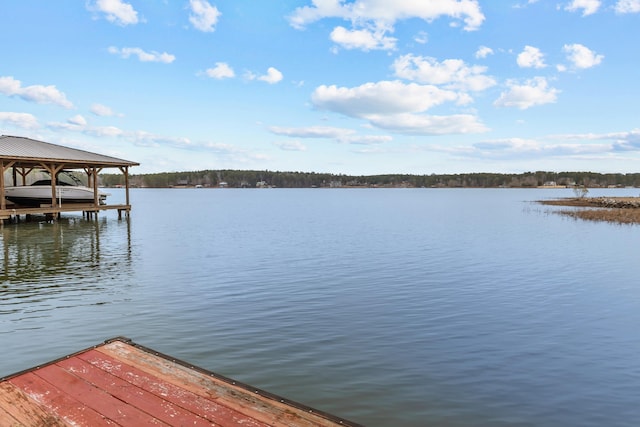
[39, 193]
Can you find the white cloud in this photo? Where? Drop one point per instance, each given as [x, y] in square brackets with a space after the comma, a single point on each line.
[222, 70]
[619, 141]
[21, 120]
[143, 56]
[588, 7]
[290, 146]
[483, 52]
[628, 6]
[35, 93]
[137, 137]
[103, 111]
[388, 13]
[204, 17]
[564, 146]
[341, 135]
[372, 20]
[272, 76]
[77, 120]
[145, 138]
[581, 56]
[99, 131]
[524, 5]
[365, 139]
[396, 106]
[627, 141]
[520, 148]
[531, 57]
[508, 144]
[116, 11]
[422, 124]
[422, 37]
[453, 73]
[534, 92]
[364, 39]
[312, 132]
[385, 97]
[75, 124]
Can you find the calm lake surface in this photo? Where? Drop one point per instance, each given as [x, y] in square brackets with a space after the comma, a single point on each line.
[388, 307]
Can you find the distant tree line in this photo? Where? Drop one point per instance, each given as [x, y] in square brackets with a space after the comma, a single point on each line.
[254, 178]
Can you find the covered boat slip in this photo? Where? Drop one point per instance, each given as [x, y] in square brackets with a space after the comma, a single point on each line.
[122, 383]
[21, 157]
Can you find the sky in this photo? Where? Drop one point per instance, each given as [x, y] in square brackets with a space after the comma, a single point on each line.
[359, 87]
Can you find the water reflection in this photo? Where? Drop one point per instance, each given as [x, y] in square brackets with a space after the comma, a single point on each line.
[69, 262]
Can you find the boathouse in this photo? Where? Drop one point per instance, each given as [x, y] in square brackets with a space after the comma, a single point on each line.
[20, 157]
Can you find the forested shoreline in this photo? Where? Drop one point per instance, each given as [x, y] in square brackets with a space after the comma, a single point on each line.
[265, 178]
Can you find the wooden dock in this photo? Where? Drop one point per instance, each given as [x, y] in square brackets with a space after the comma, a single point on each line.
[88, 210]
[120, 383]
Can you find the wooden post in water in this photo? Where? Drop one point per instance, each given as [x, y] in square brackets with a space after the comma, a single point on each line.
[125, 172]
[3, 203]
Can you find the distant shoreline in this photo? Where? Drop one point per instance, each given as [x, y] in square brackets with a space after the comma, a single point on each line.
[278, 179]
[372, 186]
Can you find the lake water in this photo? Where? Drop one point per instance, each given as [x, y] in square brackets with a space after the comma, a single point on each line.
[388, 307]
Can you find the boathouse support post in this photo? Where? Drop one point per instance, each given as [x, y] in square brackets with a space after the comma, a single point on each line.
[87, 170]
[94, 181]
[53, 171]
[125, 172]
[23, 171]
[3, 167]
[3, 203]
[95, 173]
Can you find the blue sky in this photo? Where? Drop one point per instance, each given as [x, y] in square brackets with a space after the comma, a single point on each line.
[353, 87]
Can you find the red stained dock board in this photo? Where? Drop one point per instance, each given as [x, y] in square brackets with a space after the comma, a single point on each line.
[120, 383]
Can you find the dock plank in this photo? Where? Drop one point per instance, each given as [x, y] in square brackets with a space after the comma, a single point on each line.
[18, 409]
[271, 413]
[95, 398]
[204, 407]
[53, 399]
[131, 394]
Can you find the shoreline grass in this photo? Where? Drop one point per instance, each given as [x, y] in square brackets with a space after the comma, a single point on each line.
[620, 210]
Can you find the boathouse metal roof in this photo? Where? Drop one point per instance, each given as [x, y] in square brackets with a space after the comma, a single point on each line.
[30, 151]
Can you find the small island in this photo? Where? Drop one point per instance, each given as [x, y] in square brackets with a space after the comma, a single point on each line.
[622, 210]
